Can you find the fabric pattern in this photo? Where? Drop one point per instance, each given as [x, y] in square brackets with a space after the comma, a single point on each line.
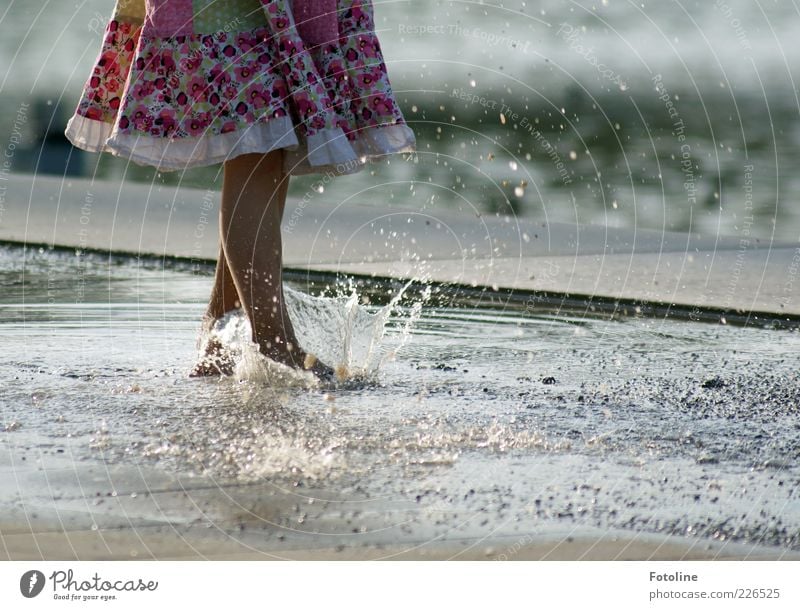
[180, 78]
[316, 21]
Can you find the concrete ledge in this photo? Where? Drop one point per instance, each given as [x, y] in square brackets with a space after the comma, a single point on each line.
[435, 244]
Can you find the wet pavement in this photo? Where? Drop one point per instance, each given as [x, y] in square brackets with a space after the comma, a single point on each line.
[738, 275]
[473, 432]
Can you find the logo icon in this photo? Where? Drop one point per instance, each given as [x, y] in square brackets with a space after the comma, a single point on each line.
[31, 583]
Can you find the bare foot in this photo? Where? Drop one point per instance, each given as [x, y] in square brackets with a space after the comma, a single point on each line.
[321, 370]
[298, 359]
[216, 360]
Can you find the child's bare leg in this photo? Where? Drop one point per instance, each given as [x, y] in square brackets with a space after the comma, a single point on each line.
[224, 298]
[253, 198]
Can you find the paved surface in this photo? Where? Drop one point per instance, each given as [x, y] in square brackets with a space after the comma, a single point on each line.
[440, 245]
[68, 509]
[68, 512]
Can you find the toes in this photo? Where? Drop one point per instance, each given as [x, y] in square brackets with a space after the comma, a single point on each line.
[323, 372]
[214, 361]
[203, 370]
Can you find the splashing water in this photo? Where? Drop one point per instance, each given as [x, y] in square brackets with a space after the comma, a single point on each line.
[338, 330]
[536, 423]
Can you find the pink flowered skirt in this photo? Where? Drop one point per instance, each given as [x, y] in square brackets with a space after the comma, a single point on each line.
[185, 83]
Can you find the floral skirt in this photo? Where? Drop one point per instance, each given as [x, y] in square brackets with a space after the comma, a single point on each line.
[185, 83]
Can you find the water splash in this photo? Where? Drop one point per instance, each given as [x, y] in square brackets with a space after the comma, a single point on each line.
[339, 330]
[342, 331]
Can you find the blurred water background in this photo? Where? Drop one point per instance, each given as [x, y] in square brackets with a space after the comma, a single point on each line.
[674, 115]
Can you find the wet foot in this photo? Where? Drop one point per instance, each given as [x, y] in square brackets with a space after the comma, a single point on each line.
[298, 359]
[216, 360]
[320, 369]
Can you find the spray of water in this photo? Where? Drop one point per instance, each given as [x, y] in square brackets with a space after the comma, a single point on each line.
[339, 330]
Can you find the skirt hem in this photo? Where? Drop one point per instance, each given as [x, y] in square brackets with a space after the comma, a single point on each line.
[327, 151]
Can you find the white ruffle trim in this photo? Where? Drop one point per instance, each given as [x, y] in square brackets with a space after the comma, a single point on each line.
[387, 139]
[88, 134]
[371, 142]
[327, 151]
[329, 147]
[183, 153]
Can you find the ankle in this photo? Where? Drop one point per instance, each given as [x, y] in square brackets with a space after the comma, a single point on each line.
[211, 316]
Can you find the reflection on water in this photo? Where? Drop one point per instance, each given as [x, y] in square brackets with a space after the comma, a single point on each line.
[666, 426]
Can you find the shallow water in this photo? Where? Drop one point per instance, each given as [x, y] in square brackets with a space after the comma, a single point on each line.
[485, 421]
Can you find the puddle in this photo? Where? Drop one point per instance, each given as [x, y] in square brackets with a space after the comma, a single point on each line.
[643, 425]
